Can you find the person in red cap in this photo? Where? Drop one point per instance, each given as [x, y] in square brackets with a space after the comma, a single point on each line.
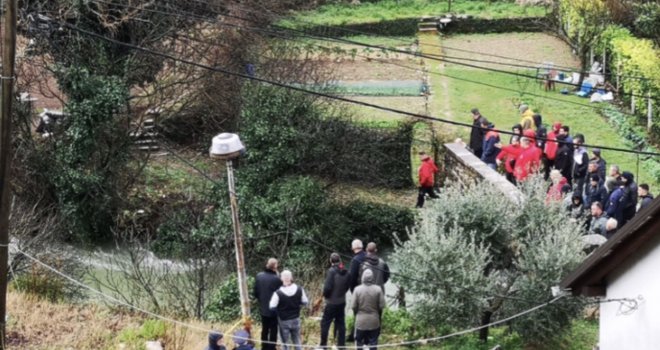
[427, 172]
[550, 150]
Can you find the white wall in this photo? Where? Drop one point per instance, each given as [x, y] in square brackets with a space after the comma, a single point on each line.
[637, 277]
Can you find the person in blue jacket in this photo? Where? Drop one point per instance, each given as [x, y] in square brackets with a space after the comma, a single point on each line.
[491, 138]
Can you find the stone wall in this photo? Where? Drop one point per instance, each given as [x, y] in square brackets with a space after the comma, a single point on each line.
[463, 169]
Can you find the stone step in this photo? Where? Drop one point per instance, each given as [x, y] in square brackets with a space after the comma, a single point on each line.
[148, 148]
[145, 142]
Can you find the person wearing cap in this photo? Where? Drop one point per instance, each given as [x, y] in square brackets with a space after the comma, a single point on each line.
[491, 139]
[242, 340]
[529, 160]
[564, 158]
[265, 284]
[368, 304]
[216, 341]
[337, 281]
[630, 195]
[550, 150]
[595, 191]
[580, 163]
[602, 164]
[527, 117]
[288, 302]
[477, 134]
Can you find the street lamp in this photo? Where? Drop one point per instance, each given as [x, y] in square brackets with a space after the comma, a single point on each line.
[228, 147]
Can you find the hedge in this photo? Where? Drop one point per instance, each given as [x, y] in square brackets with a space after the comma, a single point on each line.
[634, 58]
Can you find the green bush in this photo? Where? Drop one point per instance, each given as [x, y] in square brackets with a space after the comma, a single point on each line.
[150, 330]
[224, 304]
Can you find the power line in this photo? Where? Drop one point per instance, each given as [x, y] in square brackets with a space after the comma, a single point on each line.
[440, 58]
[321, 94]
[537, 64]
[307, 346]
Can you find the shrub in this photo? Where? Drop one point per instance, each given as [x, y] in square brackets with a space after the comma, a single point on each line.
[470, 250]
[224, 304]
[150, 330]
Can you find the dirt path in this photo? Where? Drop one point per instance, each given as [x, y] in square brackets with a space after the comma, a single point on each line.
[439, 100]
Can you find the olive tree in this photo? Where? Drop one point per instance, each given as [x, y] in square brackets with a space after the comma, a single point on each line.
[475, 256]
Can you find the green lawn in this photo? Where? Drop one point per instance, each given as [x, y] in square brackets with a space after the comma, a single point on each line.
[387, 10]
[499, 106]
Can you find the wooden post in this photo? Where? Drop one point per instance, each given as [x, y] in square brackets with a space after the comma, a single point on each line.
[605, 63]
[8, 60]
[649, 122]
[632, 104]
[591, 57]
[618, 76]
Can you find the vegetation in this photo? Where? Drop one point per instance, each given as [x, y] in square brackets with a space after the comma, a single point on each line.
[390, 10]
[474, 258]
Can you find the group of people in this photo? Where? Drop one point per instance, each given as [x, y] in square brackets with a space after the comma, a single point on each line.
[281, 302]
[605, 201]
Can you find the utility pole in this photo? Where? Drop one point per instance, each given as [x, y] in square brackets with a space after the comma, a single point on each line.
[228, 147]
[8, 60]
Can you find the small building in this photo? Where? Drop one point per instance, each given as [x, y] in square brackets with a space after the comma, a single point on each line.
[625, 271]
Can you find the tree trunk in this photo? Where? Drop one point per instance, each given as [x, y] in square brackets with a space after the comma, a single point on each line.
[485, 319]
[584, 66]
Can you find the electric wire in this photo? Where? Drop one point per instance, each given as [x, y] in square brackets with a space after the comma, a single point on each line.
[307, 346]
[440, 58]
[321, 94]
[353, 31]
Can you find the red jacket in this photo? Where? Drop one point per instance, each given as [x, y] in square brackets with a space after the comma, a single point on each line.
[509, 153]
[427, 172]
[529, 161]
[551, 146]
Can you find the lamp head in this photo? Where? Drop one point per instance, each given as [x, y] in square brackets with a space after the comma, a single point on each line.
[226, 146]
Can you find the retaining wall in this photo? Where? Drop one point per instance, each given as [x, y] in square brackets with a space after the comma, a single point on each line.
[464, 169]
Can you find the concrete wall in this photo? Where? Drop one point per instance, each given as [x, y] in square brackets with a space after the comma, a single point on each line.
[463, 169]
[637, 278]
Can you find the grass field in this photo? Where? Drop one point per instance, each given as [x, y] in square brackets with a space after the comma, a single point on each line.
[387, 10]
[458, 89]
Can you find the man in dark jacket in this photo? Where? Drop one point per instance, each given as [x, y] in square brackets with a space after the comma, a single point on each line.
[358, 258]
[602, 163]
[630, 195]
[381, 272]
[595, 191]
[564, 158]
[334, 291]
[645, 196]
[491, 139]
[266, 283]
[541, 131]
[580, 163]
[477, 134]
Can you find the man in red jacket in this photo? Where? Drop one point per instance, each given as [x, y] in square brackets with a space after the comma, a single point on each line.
[426, 178]
[529, 159]
[550, 150]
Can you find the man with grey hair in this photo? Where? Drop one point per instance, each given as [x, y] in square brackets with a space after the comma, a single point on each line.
[266, 283]
[354, 274]
[287, 302]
